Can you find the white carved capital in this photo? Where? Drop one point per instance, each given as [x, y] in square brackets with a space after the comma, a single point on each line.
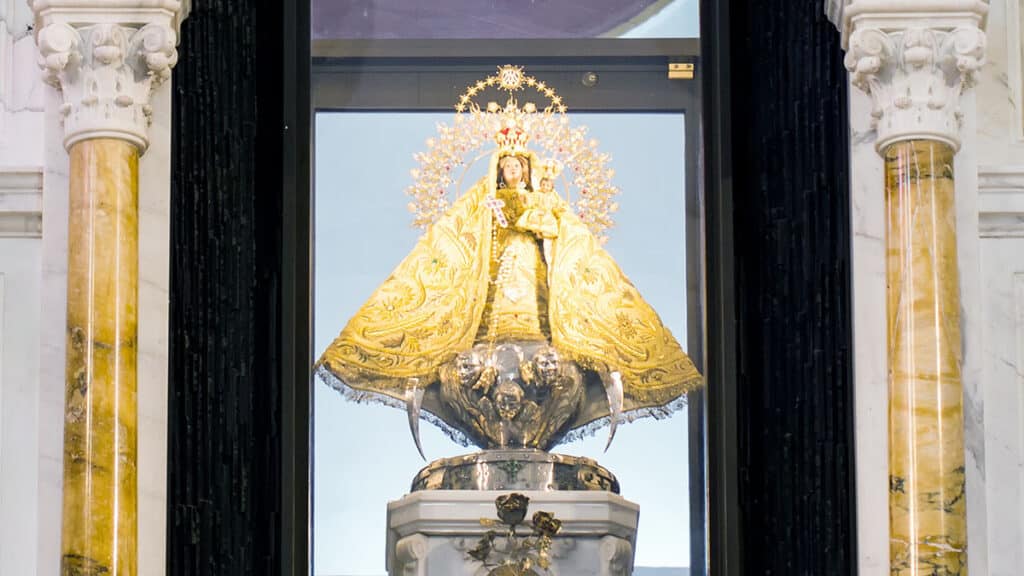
[914, 58]
[915, 78]
[106, 57]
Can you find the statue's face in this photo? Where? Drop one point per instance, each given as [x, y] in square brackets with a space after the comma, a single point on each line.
[508, 401]
[511, 171]
[546, 365]
[468, 366]
[546, 185]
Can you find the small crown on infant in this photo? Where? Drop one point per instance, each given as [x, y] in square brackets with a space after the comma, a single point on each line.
[549, 168]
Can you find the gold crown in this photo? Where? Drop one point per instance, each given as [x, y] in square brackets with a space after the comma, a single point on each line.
[511, 140]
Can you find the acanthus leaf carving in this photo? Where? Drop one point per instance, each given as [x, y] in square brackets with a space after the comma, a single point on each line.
[864, 60]
[106, 73]
[155, 46]
[915, 77]
[59, 50]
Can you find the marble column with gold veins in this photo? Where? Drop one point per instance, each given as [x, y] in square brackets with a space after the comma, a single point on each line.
[916, 76]
[100, 491]
[105, 57]
[927, 508]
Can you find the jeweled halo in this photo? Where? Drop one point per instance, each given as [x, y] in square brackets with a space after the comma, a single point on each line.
[586, 180]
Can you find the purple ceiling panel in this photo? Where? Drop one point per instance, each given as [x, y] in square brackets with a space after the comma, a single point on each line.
[471, 18]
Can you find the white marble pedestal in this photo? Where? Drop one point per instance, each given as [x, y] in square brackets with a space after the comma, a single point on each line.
[430, 532]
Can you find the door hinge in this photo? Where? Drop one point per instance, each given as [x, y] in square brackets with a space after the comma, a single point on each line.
[680, 71]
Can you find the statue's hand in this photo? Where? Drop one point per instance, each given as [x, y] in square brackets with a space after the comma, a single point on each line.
[558, 208]
[542, 222]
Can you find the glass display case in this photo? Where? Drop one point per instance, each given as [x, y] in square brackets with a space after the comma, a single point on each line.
[407, 98]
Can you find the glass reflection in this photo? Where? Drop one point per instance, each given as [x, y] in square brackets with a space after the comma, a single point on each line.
[452, 19]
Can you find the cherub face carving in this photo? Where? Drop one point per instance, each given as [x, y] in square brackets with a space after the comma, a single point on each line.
[547, 365]
[468, 366]
[508, 400]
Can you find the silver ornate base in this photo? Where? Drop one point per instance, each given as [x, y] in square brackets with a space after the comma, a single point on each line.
[515, 469]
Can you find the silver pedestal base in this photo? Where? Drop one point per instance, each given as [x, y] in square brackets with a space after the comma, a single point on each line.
[515, 469]
[430, 533]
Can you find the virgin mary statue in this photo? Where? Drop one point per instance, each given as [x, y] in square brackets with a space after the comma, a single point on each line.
[509, 263]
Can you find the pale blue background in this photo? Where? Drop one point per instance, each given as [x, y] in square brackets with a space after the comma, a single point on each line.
[364, 455]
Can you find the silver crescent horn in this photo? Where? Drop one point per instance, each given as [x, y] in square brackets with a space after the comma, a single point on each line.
[614, 391]
[413, 400]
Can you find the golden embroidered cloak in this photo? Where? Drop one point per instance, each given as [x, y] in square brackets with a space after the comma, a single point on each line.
[433, 304]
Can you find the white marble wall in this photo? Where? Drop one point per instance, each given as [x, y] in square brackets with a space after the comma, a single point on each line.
[1002, 271]
[154, 270]
[972, 291]
[52, 328]
[20, 207]
[21, 146]
[33, 279]
[871, 399]
[999, 494]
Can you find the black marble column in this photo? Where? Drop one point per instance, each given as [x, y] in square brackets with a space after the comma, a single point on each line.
[782, 424]
[236, 470]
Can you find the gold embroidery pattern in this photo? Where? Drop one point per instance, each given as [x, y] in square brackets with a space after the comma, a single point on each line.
[427, 309]
[598, 316]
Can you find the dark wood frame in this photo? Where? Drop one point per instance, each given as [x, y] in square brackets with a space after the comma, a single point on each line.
[724, 518]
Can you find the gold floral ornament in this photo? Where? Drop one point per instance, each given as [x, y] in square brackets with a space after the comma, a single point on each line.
[513, 555]
[512, 508]
[453, 150]
[545, 524]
